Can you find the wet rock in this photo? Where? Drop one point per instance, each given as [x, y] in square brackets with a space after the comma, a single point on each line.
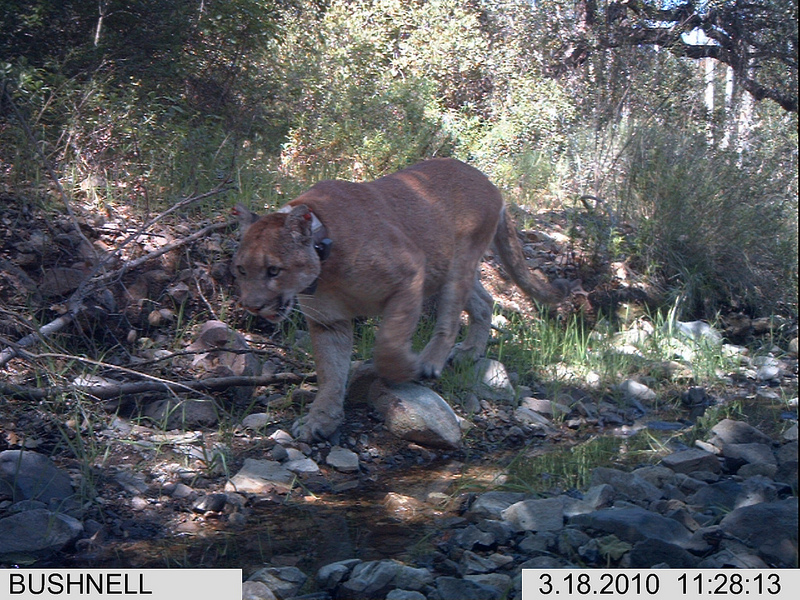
[452, 588]
[28, 475]
[343, 460]
[627, 484]
[693, 459]
[284, 582]
[37, 533]
[416, 413]
[770, 527]
[261, 477]
[545, 514]
[633, 525]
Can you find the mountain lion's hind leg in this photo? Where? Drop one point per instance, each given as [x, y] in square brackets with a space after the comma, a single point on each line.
[452, 300]
[479, 308]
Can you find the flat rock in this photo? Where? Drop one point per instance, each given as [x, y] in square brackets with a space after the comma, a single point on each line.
[257, 420]
[416, 413]
[28, 475]
[633, 525]
[302, 465]
[750, 453]
[342, 459]
[373, 579]
[729, 431]
[691, 460]
[260, 477]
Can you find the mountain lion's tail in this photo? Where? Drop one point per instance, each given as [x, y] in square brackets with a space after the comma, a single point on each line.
[509, 249]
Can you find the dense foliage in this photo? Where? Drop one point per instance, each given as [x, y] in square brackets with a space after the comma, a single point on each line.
[146, 100]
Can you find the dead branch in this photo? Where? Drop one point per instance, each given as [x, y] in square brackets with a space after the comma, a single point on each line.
[42, 333]
[107, 391]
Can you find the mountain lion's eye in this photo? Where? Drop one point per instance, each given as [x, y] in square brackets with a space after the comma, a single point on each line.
[240, 270]
[273, 271]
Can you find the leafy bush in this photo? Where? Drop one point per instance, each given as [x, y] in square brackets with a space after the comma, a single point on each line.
[722, 233]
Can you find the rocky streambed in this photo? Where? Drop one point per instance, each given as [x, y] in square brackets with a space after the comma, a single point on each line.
[359, 520]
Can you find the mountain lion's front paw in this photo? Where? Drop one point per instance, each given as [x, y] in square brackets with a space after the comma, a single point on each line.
[317, 426]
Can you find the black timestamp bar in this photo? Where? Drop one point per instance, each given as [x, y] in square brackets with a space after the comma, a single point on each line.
[659, 583]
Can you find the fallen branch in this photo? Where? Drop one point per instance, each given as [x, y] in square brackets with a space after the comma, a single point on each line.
[107, 391]
[43, 332]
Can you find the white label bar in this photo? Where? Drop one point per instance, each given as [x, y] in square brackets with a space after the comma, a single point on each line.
[120, 584]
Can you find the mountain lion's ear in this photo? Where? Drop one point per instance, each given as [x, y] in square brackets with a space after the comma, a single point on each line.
[245, 216]
[299, 221]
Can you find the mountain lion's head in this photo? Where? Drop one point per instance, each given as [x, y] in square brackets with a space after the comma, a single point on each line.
[276, 260]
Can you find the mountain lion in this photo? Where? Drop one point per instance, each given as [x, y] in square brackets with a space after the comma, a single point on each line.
[348, 250]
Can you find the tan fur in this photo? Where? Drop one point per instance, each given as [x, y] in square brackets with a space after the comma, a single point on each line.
[396, 241]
